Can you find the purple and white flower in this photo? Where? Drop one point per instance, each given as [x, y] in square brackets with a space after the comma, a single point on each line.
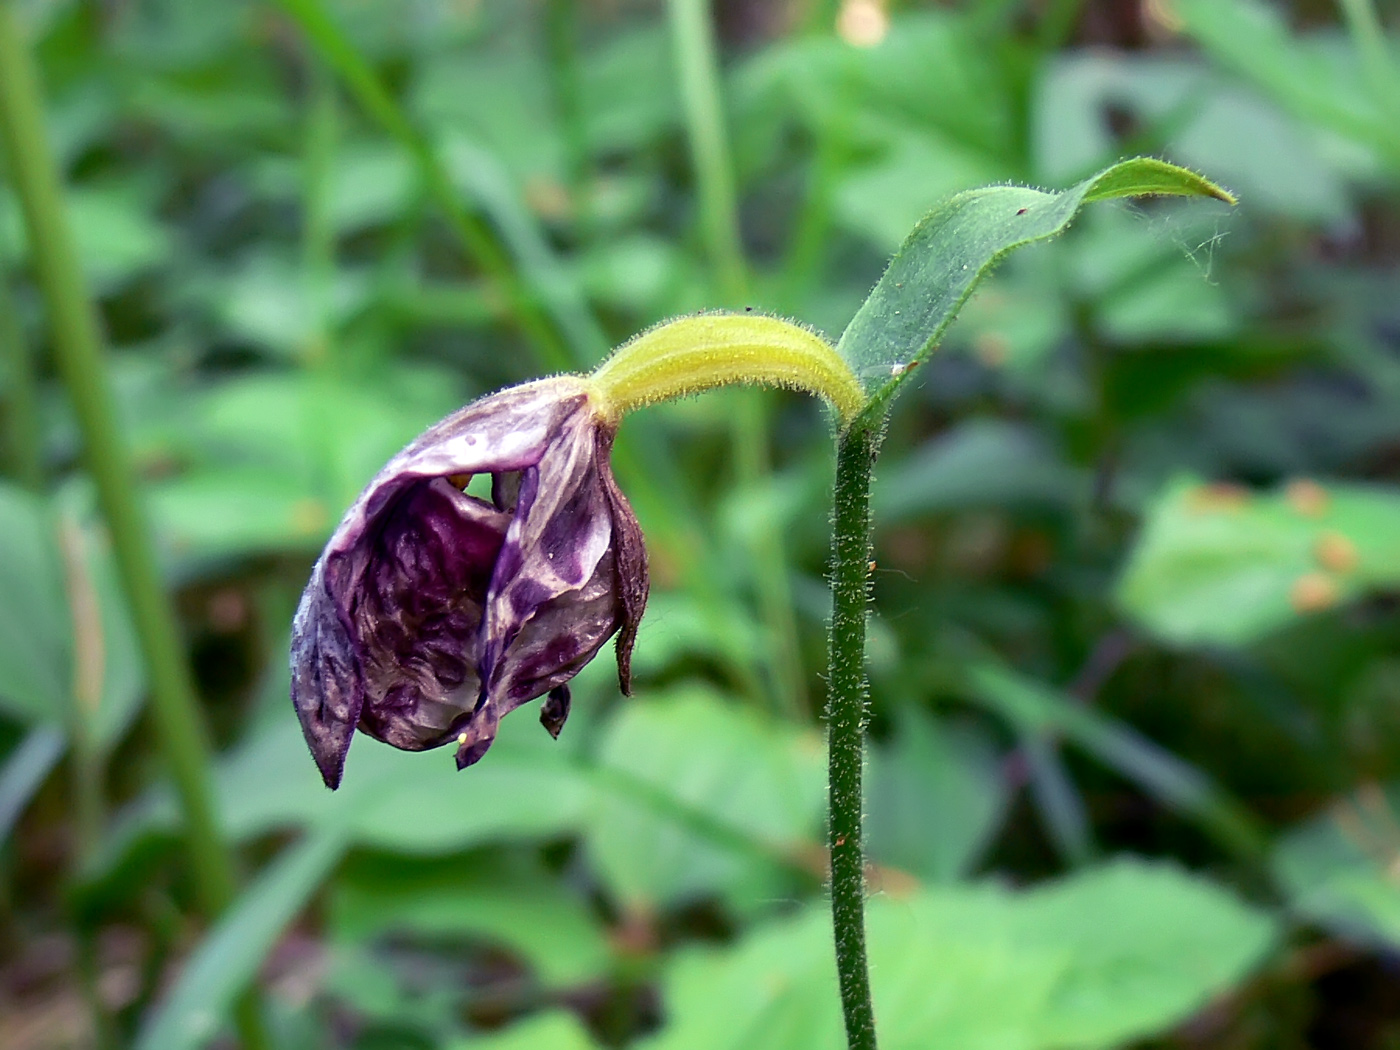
[433, 613]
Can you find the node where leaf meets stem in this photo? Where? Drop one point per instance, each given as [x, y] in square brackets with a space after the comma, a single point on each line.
[846, 717]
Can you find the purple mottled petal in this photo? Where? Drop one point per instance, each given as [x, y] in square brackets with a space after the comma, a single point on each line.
[630, 554]
[560, 533]
[432, 614]
[327, 687]
[477, 735]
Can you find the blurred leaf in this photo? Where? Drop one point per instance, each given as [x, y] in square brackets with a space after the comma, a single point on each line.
[1220, 565]
[24, 771]
[391, 800]
[268, 300]
[371, 184]
[936, 798]
[1198, 117]
[1090, 961]
[509, 901]
[39, 583]
[117, 236]
[1341, 869]
[1037, 710]
[228, 959]
[1321, 84]
[753, 785]
[957, 243]
[35, 626]
[219, 513]
[278, 454]
[548, 1031]
[978, 463]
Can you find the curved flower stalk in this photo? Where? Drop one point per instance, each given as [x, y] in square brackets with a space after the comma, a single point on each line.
[433, 613]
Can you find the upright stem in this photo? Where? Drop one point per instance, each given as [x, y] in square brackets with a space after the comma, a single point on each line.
[77, 348]
[846, 717]
[318, 232]
[565, 84]
[694, 37]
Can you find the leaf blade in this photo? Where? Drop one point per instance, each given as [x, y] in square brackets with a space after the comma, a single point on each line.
[958, 243]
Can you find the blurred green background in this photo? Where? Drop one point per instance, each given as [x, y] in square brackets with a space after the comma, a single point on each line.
[1136, 643]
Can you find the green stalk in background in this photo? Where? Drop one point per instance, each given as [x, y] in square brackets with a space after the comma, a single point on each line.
[1377, 63]
[561, 45]
[21, 395]
[77, 348]
[847, 712]
[318, 233]
[698, 72]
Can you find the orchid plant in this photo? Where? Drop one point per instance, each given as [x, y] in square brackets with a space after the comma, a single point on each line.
[434, 612]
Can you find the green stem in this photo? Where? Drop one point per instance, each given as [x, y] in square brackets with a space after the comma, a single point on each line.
[561, 41]
[1057, 24]
[698, 71]
[77, 348]
[1377, 62]
[820, 16]
[318, 233]
[21, 395]
[698, 68]
[846, 717]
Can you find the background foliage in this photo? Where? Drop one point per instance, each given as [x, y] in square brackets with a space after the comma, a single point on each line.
[1136, 677]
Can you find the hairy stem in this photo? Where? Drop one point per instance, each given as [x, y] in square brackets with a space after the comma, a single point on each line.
[846, 716]
[77, 347]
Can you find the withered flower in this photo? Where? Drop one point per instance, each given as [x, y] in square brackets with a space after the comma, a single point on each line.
[432, 613]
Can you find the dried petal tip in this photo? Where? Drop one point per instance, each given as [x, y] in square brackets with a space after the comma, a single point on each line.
[433, 613]
[554, 712]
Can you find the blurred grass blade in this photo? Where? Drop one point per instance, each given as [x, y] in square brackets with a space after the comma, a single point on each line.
[24, 772]
[958, 243]
[1035, 708]
[230, 956]
[1252, 38]
[565, 339]
[1058, 799]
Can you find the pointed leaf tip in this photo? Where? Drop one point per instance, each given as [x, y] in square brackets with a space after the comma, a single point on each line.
[957, 244]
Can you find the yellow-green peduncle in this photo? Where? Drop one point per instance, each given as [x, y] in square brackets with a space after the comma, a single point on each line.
[699, 353]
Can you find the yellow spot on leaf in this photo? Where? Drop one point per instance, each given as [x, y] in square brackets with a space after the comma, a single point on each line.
[862, 23]
[1307, 497]
[1335, 551]
[1313, 592]
[309, 517]
[1216, 498]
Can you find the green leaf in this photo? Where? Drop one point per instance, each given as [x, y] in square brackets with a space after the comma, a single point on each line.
[957, 243]
[1252, 38]
[1221, 565]
[1037, 710]
[56, 573]
[1339, 868]
[1090, 961]
[936, 798]
[501, 899]
[230, 956]
[549, 1031]
[697, 795]
[977, 463]
[24, 772]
